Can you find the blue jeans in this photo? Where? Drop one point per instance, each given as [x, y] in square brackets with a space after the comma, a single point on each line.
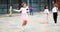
[31, 12]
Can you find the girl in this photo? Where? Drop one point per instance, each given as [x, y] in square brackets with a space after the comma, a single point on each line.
[55, 14]
[24, 15]
[46, 11]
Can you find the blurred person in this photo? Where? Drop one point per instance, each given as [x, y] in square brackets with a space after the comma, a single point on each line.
[24, 15]
[55, 13]
[46, 12]
[31, 10]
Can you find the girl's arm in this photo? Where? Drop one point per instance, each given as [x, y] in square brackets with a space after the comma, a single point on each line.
[16, 10]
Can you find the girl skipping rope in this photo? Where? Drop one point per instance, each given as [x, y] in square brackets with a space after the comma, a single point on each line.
[24, 15]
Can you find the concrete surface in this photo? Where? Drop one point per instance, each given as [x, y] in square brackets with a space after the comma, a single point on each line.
[36, 23]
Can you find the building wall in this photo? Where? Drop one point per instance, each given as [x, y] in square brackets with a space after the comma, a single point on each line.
[38, 5]
[58, 2]
[5, 5]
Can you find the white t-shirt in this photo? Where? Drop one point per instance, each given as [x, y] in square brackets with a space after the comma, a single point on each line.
[54, 9]
[24, 10]
[46, 11]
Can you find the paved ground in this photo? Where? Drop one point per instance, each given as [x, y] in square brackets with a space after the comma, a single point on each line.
[36, 23]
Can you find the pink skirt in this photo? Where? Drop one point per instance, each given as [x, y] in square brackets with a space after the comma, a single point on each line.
[24, 16]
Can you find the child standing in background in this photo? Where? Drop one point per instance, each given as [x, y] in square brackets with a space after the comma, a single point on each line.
[55, 13]
[46, 12]
[31, 10]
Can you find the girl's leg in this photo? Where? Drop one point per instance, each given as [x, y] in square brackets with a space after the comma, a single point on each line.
[55, 17]
[30, 12]
[47, 18]
[24, 23]
[23, 26]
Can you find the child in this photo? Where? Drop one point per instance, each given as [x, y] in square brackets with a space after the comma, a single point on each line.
[46, 11]
[55, 14]
[31, 10]
[24, 15]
